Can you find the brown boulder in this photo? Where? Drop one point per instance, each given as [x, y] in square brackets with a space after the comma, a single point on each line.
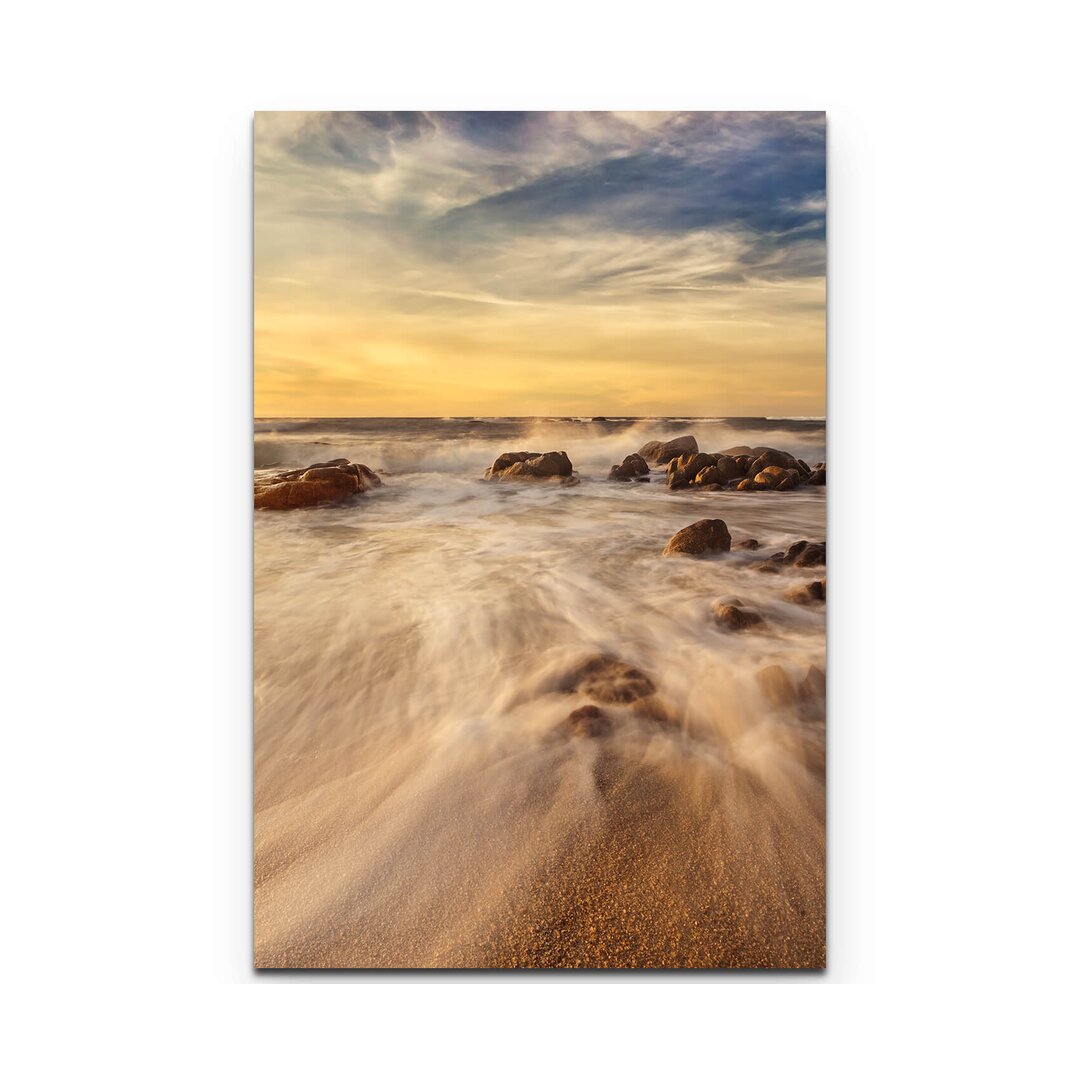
[660, 453]
[721, 471]
[504, 461]
[730, 468]
[588, 721]
[324, 482]
[817, 477]
[529, 466]
[748, 545]
[812, 695]
[767, 456]
[811, 593]
[608, 680]
[776, 685]
[813, 686]
[633, 465]
[683, 470]
[787, 484]
[804, 553]
[735, 617]
[703, 537]
[772, 476]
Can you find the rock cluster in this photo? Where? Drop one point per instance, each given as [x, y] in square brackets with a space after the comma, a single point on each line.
[739, 468]
[612, 682]
[609, 681]
[530, 465]
[323, 482]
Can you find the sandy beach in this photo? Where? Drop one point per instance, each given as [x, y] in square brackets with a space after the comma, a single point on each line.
[496, 727]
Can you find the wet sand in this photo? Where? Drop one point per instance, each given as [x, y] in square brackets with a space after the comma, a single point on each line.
[419, 799]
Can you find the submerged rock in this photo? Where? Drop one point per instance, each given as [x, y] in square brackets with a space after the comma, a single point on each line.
[817, 477]
[633, 466]
[660, 453]
[749, 544]
[701, 538]
[610, 681]
[735, 617]
[811, 593]
[813, 686]
[318, 484]
[588, 721]
[812, 694]
[529, 465]
[777, 686]
[804, 553]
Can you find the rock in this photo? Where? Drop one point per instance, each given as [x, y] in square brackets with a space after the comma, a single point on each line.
[817, 477]
[588, 721]
[633, 466]
[787, 484]
[803, 467]
[610, 681]
[660, 453]
[323, 482]
[811, 593]
[776, 686]
[735, 617]
[709, 477]
[702, 470]
[746, 485]
[804, 553]
[526, 465]
[812, 695]
[683, 470]
[770, 476]
[748, 545]
[729, 468]
[812, 687]
[701, 538]
[504, 461]
[766, 456]
[599, 419]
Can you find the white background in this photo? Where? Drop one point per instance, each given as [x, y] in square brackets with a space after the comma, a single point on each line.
[953, 563]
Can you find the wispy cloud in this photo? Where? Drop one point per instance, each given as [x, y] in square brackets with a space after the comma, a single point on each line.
[549, 233]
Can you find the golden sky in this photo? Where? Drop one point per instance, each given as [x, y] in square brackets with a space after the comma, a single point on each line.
[432, 264]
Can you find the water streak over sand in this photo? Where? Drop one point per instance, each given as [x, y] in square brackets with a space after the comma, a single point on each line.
[418, 801]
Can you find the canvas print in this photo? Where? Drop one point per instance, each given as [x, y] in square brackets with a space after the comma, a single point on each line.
[539, 540]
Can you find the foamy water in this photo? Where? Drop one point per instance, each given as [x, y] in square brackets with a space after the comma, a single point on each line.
[418, 801]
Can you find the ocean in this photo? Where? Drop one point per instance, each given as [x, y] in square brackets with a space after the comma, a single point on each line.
[420, 800]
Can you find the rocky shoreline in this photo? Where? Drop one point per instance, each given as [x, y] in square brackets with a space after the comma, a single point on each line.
[607, 682]
[739, 468]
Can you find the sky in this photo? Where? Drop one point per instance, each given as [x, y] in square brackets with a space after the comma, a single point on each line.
[526, 263]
